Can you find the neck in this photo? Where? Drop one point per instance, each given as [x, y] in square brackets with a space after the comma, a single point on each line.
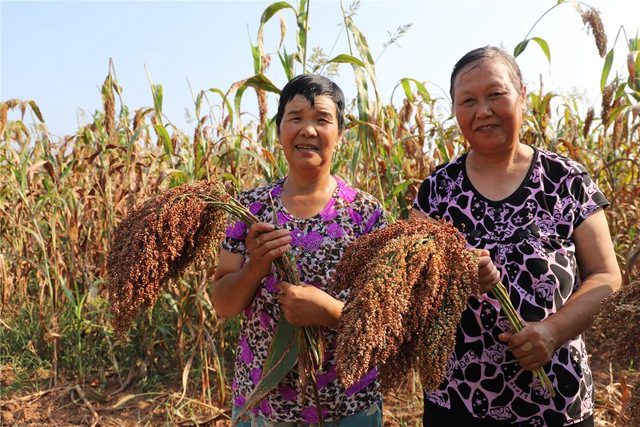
[305, 198]
[304, 185]
[499, 163]
[497, 177]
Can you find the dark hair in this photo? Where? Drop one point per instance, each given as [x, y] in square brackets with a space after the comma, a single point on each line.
[489, 52]
[310, 86]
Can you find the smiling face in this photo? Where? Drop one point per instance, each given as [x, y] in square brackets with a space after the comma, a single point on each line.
[309, 134]
[487, 105]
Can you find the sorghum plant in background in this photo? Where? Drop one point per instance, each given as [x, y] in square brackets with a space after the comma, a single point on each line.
[61, 199]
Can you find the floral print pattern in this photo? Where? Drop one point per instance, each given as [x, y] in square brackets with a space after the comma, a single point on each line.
[529, 236]
[318, 244]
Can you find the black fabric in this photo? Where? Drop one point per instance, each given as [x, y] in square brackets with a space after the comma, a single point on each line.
[437, 416]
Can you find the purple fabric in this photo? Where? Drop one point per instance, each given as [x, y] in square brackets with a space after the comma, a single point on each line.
[317, 244]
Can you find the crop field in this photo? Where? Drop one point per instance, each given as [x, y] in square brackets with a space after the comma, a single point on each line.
[61, 200]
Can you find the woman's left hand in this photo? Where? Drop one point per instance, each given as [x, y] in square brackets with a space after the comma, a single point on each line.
[306, 305]
[488, 274]
[533, 346]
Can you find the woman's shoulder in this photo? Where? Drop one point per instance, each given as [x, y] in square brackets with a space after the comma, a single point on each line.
[263, 190]
[352, 194]
[557, 163]
[455, 164]
[452, 170]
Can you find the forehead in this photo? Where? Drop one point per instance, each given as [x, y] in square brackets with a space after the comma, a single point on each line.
[484, 72]
[321, 104]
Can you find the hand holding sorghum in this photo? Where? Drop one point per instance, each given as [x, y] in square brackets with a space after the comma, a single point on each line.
[265, 244]
[488, 274]
[307, 305]
[533, 346]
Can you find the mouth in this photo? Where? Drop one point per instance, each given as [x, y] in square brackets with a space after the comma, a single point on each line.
[302, 147]
[486, 128]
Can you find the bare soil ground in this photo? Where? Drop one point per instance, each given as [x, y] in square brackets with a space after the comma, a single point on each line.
[68, 404]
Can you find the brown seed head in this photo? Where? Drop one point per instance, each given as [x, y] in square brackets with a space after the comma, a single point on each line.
[407, 286]
[587, 122]
[592, 18]
[155, 244]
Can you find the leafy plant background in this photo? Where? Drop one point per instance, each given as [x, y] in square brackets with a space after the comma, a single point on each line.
[61, 199]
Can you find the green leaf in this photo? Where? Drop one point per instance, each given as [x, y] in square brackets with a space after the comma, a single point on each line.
[282, 357]
[288, 62]
[272, 9]
[163, 135]
[520, 48]
[606, 69]
[363, 48]
[422, 90]
[541, 42]
[347, 59]
[260, 81]
[226, 102]
[36, 111]
[407, 89]
[400, 187]
[544, 46]
[157, 101]
[237, 101]
[69, 295]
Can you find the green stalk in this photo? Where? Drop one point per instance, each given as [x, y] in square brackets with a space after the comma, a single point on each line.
[518, 324]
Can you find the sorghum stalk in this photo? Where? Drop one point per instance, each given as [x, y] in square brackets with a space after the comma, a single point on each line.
[518, 324]
[310, 339]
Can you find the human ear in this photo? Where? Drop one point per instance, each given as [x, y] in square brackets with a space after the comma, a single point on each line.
[523, 98]
[339, 140]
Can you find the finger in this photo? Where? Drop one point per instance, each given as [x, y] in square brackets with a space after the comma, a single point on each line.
[279, 235]
[481, 252]
[505, 336]
[260, 227]
[283, 286]
[527, 347]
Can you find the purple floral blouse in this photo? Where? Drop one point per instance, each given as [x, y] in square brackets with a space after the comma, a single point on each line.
[318, 243]
[530, 237]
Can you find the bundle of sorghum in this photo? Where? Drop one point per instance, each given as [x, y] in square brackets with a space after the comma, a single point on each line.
[160, 238]
[408, 285]
[157, 241]
[621, 312]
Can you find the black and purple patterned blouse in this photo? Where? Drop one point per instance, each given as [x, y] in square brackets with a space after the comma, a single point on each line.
[319, 243]
[529, 235]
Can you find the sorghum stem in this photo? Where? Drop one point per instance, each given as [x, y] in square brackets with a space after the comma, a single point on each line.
[518, 324]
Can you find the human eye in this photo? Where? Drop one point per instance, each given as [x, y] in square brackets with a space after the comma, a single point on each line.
[325, 119]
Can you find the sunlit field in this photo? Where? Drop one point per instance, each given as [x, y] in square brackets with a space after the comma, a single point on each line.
[61, 201]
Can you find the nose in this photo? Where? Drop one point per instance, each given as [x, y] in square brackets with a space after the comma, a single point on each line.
[484, 108]
[308, 129]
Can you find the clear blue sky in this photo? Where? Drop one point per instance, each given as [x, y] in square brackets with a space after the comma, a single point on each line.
[56, 53]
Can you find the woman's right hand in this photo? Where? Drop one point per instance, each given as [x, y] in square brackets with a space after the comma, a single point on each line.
[265, 244]
[235, 283]
[488, 274]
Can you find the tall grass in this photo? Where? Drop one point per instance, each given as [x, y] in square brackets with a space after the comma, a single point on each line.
[61, 200]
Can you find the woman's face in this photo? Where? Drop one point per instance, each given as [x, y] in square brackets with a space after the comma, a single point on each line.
[309, 134]
[487, 106]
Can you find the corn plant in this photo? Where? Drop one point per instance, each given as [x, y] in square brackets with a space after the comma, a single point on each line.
[61, 200]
